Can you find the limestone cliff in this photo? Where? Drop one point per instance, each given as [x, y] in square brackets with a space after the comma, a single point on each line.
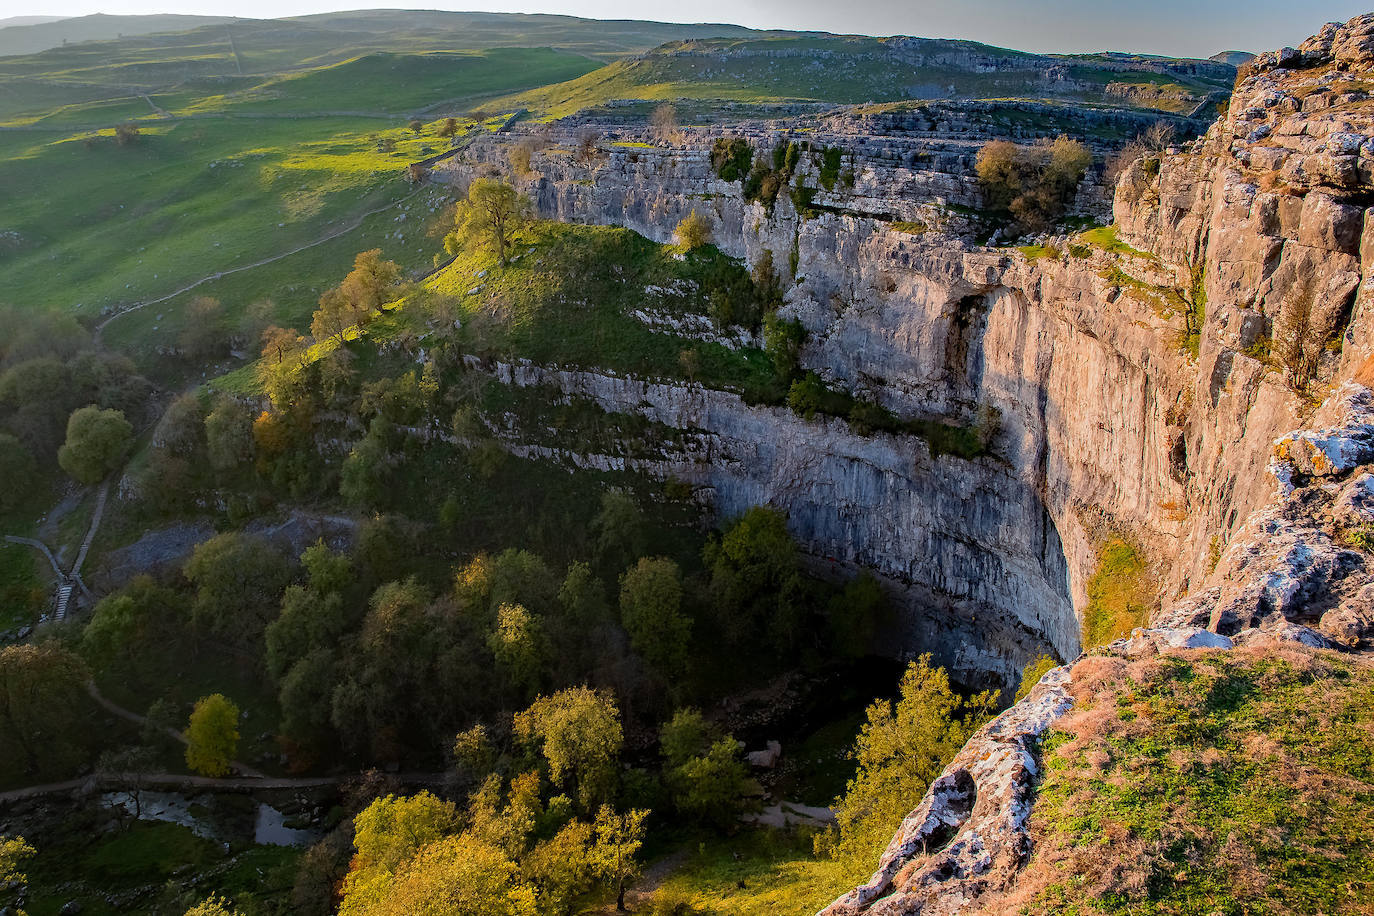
[1109, 422]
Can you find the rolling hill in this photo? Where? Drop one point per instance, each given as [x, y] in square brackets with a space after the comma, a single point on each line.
[850, 69]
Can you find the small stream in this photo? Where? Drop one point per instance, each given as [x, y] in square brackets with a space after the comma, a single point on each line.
[199, 814]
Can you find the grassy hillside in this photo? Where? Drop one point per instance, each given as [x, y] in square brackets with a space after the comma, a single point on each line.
[31, 37]
[849, 69]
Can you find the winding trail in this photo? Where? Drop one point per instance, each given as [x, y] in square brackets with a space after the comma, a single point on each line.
[356, 222]
[337, 233]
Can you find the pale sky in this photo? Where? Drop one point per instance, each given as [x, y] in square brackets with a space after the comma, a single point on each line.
[1182, 27]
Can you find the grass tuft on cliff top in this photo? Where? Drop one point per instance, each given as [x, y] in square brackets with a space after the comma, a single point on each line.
[1120, 594]
[1209, 782]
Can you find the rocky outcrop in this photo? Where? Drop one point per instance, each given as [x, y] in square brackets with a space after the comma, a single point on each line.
[1286, 579]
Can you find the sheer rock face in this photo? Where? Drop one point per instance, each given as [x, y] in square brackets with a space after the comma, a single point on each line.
[1107, 423]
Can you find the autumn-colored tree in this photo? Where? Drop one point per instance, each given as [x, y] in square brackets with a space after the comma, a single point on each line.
[270, 434]
[1035, 184]
[616, 852]
[367, 287]
[456, 876]
[212, 735]
[14, 851]
[587, 147]
[578, 732]
[333, 317]
[280, 344]
[518, 644]
[371, 283]
[693, 232]
[491, 215]
[519, 158]
[213, 906]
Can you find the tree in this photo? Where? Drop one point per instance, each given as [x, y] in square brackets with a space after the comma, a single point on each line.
[280, 344]
[449, 127]
[42, 697]
[14, 851]
[96, 442]
[309, 620]
[213, 906]
[582, 598]
[333, 318]
[620, 530]
[579, 734]
[1041, 665]
[711, 787]
[587, 147]
[116, 627]
[182, 427]
[239, 580]
[203, 334]
[305, 697]
[491, 215]
[663, 122]
[1035, 184]
[693, 232]
[370, 284]
[455, 876]
[616, 853]
[17, 469]
[901, 749]
[756, 580]
[212, 735]
[394, 828]
[517, 642]
[326, 570]
[519, 157]
[561, 868]
[229, 434]
[126, 134]
[650, 609]
[132, 765]
[783, 340]
[416, 125]
[363, 476]
[703, 770]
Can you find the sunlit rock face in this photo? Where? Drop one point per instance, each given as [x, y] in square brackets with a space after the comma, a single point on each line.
[1107, 421]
